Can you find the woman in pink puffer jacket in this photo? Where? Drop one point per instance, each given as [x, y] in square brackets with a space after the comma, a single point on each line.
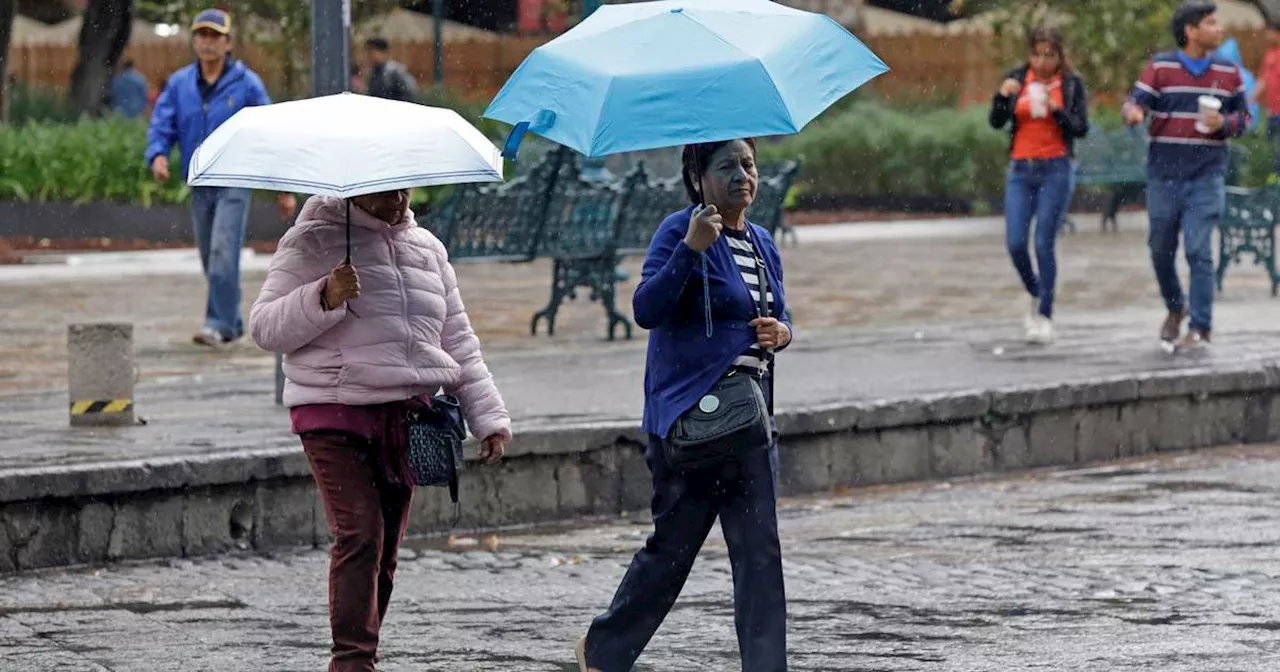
[360, 346]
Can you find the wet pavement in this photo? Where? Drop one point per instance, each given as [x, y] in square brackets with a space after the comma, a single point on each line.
[1167, 563]
[839, 277]
[933, 310]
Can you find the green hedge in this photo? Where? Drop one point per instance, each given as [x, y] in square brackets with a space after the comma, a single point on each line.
[871, 151]
[861, 150]
[81, 162]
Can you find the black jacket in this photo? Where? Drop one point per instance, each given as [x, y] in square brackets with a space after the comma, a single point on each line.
[1073, 118]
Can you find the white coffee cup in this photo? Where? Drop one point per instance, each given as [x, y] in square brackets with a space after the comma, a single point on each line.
[1038, 94]
[1207, 104]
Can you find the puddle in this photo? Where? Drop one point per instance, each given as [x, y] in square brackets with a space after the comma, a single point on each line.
[1208, 486]
[134, 607]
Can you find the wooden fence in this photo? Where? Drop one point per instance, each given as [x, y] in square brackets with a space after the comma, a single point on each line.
[963, 68]
[473, 70]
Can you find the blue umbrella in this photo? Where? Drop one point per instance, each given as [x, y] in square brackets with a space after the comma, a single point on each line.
[659, 74]
[1230, 50]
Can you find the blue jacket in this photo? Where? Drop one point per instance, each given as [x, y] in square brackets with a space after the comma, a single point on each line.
[682, 362]
[129, 93]
[183, 116]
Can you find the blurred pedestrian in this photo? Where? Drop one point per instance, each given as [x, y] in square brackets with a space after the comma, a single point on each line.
[129, 91]
[1196, 101]
[1267, 89]
[197, 99]
[1045, 103]
[387, 78]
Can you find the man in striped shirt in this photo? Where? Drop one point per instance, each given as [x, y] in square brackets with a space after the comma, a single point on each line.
[1187, 162]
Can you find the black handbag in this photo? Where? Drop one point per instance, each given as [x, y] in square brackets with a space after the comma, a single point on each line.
[435, 444]
[732, 417]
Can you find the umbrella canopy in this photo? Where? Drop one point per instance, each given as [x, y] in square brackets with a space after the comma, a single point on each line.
[658, 74]
[344, 145]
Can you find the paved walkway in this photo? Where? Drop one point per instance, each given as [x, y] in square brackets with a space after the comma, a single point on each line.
[847, 348]
[602, 382]
[1165, 564]
[861, 275]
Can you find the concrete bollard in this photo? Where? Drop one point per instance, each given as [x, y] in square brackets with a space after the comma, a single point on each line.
[100, 374]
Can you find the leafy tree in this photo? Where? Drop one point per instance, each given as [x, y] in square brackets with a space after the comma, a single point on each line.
[8, 8]
[1108, 40]
[103, 37]
[282, 28]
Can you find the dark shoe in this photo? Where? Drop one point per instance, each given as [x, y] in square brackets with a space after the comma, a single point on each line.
[582, 657]
[1195, 339]
[1172, 327]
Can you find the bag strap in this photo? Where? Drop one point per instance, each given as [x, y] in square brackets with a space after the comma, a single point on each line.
[762, 310]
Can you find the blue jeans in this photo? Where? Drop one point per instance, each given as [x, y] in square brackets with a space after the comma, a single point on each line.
[1039, 189]
[1194, 208]
[685, 506]
[221, 215]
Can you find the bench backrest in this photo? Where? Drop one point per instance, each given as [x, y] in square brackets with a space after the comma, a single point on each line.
[1112, 157]
[1251, 208]
[580, 216]
[647, 201]
[496, 222]
[771, 196]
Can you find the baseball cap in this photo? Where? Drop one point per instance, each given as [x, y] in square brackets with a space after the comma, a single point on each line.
[212, 19]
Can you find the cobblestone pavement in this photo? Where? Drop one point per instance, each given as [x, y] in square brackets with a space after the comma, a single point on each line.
[869, 275]
[1167, 563]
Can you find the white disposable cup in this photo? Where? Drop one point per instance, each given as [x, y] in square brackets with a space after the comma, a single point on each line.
[1038, 94]
[1207, 104]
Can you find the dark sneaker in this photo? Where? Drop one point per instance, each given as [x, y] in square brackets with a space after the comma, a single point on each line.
[1195, 339]
[1172, 327]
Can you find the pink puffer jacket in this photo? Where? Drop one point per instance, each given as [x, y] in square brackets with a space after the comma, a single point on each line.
[411, 337]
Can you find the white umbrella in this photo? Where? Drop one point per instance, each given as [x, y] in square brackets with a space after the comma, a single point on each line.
[344, 145]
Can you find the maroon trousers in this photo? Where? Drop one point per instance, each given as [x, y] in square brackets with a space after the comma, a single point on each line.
[367, 516]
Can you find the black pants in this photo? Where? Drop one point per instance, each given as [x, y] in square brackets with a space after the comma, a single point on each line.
[744, 495]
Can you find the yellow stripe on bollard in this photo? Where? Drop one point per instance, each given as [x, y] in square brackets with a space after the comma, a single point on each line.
[101, 407]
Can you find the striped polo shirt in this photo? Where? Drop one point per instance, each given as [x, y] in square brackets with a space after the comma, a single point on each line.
[1171, 93]
[744, 254]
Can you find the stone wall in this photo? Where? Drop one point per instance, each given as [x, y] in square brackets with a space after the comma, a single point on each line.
[265, 499]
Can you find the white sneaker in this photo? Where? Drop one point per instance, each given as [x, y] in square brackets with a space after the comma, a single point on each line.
[1040, 330]
[1030, 320]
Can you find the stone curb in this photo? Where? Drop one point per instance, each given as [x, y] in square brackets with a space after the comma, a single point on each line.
[242, 467]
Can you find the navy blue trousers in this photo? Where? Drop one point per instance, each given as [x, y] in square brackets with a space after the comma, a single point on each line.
[685, 506]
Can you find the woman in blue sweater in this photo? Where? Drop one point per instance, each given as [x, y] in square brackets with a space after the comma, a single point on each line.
[699, 297]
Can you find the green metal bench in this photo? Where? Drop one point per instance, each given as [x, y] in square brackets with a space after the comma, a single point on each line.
[496, 222]
[1249, 227]
[579, 236]
[1113, 159]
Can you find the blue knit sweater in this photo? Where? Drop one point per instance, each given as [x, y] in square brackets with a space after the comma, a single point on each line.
[682, 362]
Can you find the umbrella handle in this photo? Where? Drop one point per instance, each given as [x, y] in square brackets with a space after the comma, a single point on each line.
[348, 261]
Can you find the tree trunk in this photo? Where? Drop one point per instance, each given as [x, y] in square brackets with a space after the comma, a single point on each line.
[102, 40]
[8, 8]
[1270, 9]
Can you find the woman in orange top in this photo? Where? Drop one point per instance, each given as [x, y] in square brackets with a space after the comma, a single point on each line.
[1047, 103]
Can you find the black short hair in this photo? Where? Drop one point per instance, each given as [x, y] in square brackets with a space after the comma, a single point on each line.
[695, 157]
[377, 43]
[1190, 14]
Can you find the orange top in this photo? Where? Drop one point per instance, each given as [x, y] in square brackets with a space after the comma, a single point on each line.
[1038, 138]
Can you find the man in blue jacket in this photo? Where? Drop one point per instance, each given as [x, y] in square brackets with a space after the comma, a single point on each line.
[197, 99]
